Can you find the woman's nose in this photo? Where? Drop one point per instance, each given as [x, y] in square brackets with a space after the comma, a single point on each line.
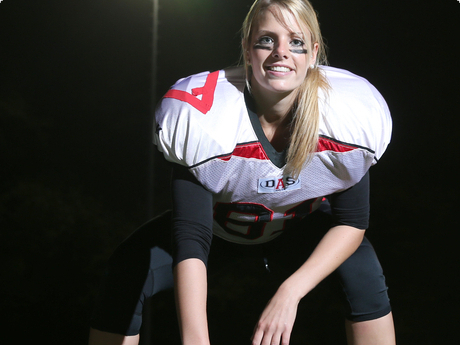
[281, 50]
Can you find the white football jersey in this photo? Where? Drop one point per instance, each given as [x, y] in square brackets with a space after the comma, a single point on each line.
[203, 123]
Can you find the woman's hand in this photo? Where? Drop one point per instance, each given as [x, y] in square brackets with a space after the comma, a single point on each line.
[277, 320]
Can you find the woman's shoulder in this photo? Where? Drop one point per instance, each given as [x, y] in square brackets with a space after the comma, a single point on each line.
[202, 116]
[232, 78]
[354, 111]
[203, 92]
[352, 86]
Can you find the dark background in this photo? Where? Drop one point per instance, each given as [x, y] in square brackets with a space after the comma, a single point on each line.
[75, 155]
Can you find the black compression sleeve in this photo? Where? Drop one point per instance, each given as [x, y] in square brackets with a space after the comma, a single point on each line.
[351, 207]
[192, 217]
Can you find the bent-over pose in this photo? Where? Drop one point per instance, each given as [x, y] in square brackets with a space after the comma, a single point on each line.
[262, 154]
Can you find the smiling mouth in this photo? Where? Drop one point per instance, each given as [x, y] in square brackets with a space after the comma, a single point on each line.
[279, 69]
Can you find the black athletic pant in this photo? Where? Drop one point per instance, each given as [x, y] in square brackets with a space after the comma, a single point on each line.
[142, 266]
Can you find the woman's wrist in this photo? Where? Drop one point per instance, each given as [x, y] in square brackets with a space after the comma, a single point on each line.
[292, 290]
[196, 341]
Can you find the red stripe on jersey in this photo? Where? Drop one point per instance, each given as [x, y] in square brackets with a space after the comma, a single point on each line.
[327, 144]
[248, 150]
[205, 103]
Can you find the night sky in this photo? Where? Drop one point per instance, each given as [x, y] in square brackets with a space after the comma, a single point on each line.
[75, 130]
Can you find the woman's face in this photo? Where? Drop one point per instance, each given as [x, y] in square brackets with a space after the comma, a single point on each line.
[280, 55]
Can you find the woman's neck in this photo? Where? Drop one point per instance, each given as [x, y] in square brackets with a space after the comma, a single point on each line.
[275, 115]
[273, 107]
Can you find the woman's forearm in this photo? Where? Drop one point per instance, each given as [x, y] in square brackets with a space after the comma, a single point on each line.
[191, 294]
[277, 319]
[335, 247]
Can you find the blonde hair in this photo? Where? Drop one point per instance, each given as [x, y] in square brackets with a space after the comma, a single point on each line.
[306, 117]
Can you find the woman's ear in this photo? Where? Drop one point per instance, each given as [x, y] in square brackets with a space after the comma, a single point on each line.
[314, 53]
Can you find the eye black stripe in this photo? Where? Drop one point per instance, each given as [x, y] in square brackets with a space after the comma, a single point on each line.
[299, 51]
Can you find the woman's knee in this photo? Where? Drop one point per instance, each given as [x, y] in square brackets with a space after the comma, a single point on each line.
[136, 271]
[363, 285]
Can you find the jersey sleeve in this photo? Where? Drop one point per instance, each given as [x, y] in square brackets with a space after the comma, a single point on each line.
[355, 112]
[351, 207]
[199, 118]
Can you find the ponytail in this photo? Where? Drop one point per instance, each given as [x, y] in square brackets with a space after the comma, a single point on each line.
[305, 122]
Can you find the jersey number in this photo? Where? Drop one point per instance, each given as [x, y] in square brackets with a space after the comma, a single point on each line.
[256, 217]
[207, 92]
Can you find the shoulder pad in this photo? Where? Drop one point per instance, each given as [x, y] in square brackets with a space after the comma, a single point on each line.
[200, 117]
[354, 112]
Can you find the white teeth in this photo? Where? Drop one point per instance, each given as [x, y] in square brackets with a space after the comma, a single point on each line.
[279, 69]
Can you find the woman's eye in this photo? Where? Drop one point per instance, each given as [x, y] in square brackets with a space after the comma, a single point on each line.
[265, 40]
[297, 43]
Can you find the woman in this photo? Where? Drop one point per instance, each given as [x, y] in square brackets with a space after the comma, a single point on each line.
[285, 142]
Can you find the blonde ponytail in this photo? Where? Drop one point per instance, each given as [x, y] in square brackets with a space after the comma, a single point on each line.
[305, 123]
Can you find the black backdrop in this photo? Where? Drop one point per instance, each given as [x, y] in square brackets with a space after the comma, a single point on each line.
[75, 114]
